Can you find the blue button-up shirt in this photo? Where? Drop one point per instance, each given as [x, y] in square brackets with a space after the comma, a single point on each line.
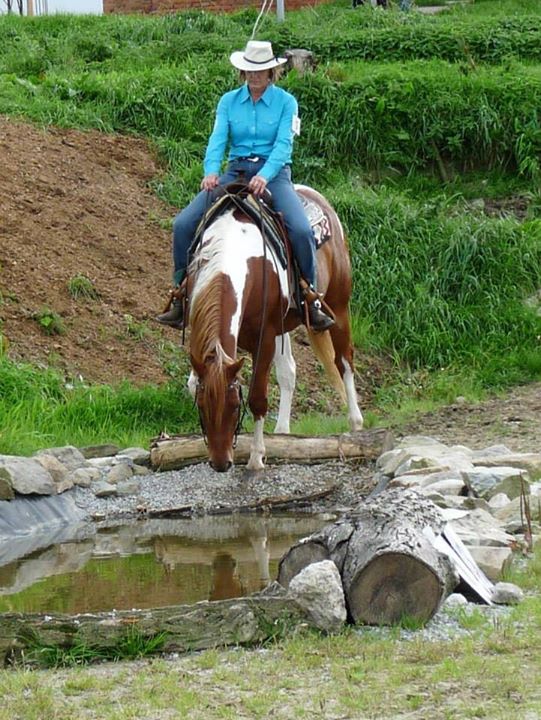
[264, 129]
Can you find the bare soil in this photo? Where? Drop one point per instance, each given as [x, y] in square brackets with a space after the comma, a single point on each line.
[80, 203]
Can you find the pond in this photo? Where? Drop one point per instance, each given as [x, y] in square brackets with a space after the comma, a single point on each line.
[152, 563]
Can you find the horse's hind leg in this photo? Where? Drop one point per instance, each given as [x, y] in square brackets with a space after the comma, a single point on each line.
[343, 358]
[284, 363]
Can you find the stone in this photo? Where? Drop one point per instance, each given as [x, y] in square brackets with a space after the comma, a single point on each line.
[512, 516]
[69, 456]
[127, 487]
[498, 501]
[99, 451]
[318, 590]
[141, 470]
[6, 488]
[506, 593]
[103, 489]
[27, 476]
[488, 481]
[455, 600]
[118, 473]
[449, 486]
[479, 527]
[58, 471]
[530, 462]
[138, 455]
[84, 477]
[493, 561]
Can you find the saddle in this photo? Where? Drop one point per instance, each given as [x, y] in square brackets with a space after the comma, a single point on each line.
[261, 212]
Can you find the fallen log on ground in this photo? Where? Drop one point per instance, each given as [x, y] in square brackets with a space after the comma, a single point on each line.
[387, 559]
[179, 628]
[176, 452]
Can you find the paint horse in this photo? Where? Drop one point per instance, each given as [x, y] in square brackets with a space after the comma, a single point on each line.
[240, 297]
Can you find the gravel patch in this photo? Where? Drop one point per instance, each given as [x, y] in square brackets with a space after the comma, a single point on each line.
[199, 490]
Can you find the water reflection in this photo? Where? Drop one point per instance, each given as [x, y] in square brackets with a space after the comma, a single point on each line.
[153, 563]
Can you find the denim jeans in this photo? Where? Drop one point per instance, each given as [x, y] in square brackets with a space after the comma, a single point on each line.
[285, 200]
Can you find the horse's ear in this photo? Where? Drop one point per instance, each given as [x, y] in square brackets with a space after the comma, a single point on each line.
[234, 369]
[198, 367]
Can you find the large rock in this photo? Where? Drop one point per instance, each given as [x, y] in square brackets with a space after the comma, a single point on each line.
[26, 475]
[488, 481]
[6, 488]
[478, 527]
[513, 516]
[58, 471]
[69, 456]
[492, 560]
[531, 462]
[318, 590]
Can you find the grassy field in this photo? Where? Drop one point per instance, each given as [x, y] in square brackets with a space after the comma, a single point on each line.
[408, 123]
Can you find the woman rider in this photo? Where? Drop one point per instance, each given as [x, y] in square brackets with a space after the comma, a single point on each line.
[258, 121]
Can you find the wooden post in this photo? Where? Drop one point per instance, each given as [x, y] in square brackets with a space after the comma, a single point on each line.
[30, 7]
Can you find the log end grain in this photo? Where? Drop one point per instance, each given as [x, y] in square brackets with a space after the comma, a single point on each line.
[393, 587]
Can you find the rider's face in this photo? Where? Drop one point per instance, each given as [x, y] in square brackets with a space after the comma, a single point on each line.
[258, 79]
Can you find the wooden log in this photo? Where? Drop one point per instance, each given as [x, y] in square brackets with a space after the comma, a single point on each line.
[176, 452]
[390, 568]
[184, 627]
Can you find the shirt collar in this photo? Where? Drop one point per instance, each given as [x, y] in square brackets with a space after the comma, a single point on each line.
[266, 98]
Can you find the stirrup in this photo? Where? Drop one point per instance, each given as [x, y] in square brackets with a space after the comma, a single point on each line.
[316, 319]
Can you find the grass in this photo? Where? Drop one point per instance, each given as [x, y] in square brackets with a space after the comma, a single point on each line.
[487, 671]
[39, 409]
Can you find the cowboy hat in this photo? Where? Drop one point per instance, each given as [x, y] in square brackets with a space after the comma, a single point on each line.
[258, 55]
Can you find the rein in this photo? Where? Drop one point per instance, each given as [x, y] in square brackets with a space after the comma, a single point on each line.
[241, 412]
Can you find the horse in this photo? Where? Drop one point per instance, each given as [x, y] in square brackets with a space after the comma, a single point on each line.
[240, 298]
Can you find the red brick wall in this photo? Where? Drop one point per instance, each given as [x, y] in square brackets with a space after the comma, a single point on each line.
[148, 6]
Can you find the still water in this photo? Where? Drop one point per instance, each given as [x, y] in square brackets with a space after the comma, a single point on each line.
[152, 563]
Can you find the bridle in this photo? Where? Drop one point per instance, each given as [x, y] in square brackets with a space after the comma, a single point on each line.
[241, 410]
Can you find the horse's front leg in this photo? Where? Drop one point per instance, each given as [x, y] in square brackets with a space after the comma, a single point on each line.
[284, 363]
[258, 403]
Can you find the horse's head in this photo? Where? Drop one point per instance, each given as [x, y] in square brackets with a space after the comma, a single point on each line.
[219, 403]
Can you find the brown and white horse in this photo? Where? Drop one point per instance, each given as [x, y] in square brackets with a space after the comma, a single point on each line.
[240, 298]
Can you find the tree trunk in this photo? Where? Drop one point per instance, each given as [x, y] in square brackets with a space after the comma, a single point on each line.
[389, 566]
[182, 450]
[184, 627]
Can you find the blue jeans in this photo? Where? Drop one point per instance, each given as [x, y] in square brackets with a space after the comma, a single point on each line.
[285, 200]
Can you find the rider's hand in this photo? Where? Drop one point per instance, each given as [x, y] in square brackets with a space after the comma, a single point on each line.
[209, 182]
[257, 185]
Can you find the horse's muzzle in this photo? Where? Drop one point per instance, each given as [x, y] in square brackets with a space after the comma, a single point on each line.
[222, 466]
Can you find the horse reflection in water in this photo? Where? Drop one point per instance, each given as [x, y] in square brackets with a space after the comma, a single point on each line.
[240, 297]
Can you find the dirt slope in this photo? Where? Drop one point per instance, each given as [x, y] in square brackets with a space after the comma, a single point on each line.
[79, 203]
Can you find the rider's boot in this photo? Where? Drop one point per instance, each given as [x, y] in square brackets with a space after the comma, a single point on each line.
[315, 317]
[173, 314]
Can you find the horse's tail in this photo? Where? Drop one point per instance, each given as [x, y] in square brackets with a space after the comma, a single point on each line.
[324, 351]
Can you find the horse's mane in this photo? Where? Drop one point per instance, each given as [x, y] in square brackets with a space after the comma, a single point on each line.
[205, 344]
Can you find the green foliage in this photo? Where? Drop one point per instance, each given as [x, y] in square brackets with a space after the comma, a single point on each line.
[38, 409]
[81, 287]
[50, 321]
[132, 645]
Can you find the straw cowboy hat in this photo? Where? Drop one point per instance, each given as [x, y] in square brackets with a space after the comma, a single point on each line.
[258, 55]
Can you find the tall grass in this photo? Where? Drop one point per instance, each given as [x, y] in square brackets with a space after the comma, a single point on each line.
[38, 409]
[436, 290]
